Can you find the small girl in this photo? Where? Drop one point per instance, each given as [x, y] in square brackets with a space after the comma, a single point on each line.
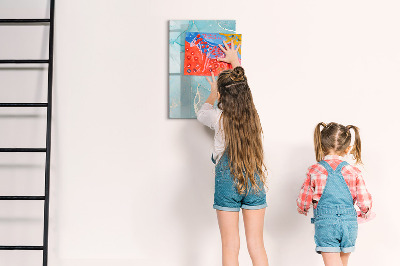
[238, 155]
[333, 186]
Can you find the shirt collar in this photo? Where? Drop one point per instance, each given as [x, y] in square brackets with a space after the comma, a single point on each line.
[334, 157]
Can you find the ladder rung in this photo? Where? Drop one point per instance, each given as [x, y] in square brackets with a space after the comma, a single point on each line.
[21, 247]
[34, 20]
[23, 61]
[23, 104]
[22, 149]
[22, 197]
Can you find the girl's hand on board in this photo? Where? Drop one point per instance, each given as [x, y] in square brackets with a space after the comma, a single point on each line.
[214, 89]
[231, 54]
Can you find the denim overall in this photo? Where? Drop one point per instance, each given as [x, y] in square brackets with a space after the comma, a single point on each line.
[335, 217]
[226, 195]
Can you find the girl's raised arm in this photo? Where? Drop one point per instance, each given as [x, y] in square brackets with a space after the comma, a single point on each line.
[231, 54]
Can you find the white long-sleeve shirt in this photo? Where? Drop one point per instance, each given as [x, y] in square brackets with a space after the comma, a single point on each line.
[210, 116]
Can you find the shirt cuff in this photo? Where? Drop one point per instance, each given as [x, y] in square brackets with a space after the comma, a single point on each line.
[365, 214]
[301, 211]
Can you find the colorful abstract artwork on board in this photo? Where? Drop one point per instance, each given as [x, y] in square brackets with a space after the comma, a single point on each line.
[187, 93]
[202, 51]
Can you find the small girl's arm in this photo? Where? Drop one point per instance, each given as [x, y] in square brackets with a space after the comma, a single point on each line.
[305, 197]
[364, 198]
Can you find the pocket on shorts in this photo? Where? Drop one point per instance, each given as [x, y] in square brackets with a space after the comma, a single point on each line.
[225, 191]
[352, 227]
[326, 232]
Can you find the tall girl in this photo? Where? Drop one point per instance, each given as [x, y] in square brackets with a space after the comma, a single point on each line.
[333, 186]
[238, 155]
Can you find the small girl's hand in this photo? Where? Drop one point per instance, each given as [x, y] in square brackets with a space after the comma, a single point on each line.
[214, 89]
[213, 83]
[231, 54]
[301, 211]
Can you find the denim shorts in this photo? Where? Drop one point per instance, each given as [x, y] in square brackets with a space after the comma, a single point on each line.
[335, 232]
[226, 195]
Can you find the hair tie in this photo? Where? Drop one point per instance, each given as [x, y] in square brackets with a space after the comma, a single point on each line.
[234, 84]
[348, 130]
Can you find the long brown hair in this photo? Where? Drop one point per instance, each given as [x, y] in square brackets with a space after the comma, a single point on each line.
[336, 137]
[242, 129]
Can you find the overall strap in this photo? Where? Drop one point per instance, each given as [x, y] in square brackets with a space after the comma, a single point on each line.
[212, 159]
[326, 166]
[340, 166]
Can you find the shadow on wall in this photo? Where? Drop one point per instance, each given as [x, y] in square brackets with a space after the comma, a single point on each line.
[193, 204]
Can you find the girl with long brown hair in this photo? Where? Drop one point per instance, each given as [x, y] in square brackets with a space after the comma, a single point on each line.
[240, 172]
[333, 186]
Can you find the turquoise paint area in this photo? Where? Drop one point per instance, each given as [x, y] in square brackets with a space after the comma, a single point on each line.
[188, 93]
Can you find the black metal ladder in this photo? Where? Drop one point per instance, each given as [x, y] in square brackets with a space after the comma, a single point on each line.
[47, 105]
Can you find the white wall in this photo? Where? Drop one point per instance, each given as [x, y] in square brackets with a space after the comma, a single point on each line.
[132, 187]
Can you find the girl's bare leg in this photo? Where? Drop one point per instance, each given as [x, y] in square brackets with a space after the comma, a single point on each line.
[254, 227]
[229, 228]
[332, 259]
[345, 258]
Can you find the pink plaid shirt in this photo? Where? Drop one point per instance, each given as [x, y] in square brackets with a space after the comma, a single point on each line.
[314, 185]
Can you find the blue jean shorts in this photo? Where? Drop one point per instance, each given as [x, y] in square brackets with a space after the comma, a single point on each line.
[226, 195]
[335, 233]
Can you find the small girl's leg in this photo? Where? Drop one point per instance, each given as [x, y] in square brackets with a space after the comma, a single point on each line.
[332, 259]
[229, 228]
[345, 258]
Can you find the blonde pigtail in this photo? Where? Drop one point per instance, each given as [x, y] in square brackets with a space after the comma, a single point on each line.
[319, 153]
[356, 151]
